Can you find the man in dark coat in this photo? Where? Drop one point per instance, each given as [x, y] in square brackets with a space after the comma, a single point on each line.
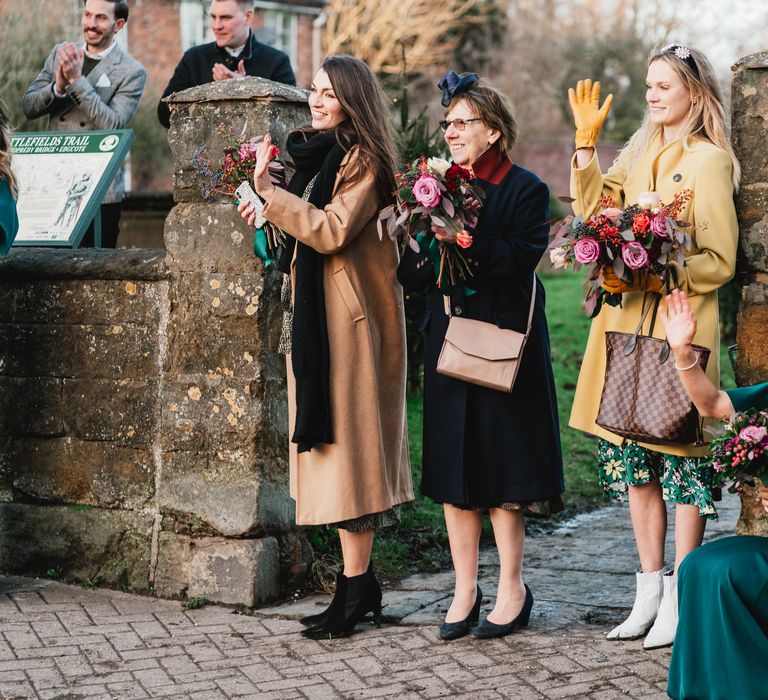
[235, 52]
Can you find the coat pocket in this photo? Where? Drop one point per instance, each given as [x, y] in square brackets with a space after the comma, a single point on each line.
[348, 294]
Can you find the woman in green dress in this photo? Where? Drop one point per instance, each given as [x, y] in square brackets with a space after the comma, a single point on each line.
[9, 220]
[721, 646]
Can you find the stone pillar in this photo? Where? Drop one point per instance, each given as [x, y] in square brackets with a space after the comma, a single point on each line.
[143, 404]
[222, 487]
[750, 140]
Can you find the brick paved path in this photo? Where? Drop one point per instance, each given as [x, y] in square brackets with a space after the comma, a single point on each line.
[64, 642]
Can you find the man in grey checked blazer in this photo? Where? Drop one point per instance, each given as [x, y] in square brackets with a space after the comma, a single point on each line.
[92, 86]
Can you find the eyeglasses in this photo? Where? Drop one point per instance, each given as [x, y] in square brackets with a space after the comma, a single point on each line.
[458, 124]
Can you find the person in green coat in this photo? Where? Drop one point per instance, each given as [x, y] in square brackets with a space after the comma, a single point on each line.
[9, 219]
[721, 646]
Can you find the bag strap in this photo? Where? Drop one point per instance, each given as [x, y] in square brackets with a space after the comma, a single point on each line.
[447, 305]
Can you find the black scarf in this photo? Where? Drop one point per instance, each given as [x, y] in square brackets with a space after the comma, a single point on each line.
[313, 154]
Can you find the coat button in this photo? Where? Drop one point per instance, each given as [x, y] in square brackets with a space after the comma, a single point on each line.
[677, 177]
[457, 311]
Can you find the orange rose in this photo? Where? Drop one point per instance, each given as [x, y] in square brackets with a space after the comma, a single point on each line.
[464, 238]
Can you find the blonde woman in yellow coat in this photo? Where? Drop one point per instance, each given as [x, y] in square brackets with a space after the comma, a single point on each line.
[681, 144]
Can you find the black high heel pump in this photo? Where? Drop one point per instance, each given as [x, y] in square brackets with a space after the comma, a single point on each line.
[488, 630]
[355, 597]
[454, 630]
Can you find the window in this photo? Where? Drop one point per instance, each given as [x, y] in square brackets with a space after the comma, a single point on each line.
[279, 30]
[195, 27]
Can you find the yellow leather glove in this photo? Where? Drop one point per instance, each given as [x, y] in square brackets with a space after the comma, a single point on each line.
[641, 282]
[588, 116]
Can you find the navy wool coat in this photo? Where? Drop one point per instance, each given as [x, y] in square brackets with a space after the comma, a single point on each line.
[484, 447]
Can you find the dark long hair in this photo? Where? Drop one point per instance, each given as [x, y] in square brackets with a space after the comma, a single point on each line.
[6, 154]
[367, 125]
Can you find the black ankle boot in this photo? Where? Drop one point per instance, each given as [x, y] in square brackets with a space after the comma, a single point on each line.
[355, 597]
[319, 618]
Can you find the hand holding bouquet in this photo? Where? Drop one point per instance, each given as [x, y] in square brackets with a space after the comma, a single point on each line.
[624, 250]
[435, 204]
[237, 165]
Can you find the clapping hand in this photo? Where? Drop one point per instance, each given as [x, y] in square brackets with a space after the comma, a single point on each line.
[69, 68]
[588, 115]
[221, 72]
[678, 320]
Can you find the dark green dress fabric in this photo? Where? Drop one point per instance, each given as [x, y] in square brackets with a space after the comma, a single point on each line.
[744, 397]
[721, 644]
[9, 221]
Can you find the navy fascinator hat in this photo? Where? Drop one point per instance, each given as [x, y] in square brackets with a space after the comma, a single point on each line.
[452, 84]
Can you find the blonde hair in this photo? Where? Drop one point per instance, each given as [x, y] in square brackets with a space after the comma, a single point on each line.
[706, 116]
[494, 108]
[5, 151]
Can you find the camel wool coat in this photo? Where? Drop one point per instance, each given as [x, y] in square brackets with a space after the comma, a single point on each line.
[366, 469]
[666, 169]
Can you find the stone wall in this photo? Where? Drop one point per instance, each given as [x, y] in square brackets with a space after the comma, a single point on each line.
[144, 422]
[750, 139]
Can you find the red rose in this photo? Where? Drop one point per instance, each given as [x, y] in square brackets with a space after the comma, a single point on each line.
[457, 172]
[640, 223]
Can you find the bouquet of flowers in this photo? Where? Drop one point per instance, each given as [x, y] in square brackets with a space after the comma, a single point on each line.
[740, 452]
[633, 243]
[434, 192]
[236, 167]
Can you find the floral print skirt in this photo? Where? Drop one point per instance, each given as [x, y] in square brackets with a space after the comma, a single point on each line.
[686, 480]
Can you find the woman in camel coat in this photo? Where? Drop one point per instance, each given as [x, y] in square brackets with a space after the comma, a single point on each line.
[345, 329]
[366, 468]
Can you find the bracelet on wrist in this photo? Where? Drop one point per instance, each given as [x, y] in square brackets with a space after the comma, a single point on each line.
[691, 366]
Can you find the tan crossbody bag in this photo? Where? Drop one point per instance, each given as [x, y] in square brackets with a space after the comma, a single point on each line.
[482, 353]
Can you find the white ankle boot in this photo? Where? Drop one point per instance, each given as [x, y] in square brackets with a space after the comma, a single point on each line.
[662, 633]
[647, 600]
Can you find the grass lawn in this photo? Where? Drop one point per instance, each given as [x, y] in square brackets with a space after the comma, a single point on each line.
[419, 541]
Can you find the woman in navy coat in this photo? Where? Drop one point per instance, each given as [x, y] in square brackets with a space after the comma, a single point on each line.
[487, 450]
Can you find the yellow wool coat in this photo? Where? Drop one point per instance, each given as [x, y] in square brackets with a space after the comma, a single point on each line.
[666, 169]
[366, 469]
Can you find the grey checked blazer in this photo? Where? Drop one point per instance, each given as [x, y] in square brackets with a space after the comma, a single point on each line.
[106, 98]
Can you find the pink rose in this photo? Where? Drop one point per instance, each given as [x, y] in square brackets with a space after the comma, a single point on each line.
[427, 191]
[247, 149]
[586, 250]
[634, 255]
[612, 213]
[659, 226]
[753, 434]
